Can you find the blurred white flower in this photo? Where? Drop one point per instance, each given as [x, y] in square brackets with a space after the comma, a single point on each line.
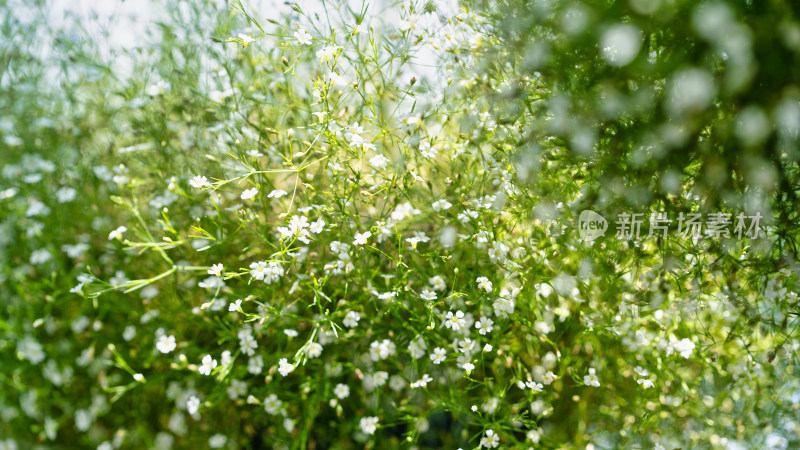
[303, 38]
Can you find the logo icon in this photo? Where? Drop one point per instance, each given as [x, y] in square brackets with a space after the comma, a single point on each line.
[591, 225]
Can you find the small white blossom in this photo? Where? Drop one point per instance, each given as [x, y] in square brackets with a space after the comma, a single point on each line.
[351, 319]
[379, 162]
[684, 347]
[484, 325]
[439, 354]
[117, 234]
[245, 39]
[317, 226]
[591, 379]
[455, 320]
[284, 367]
[272, 404]
[361, 238]
[215, 269]
[341, 391]
[314, 350]
[645, 383]
[249, 193]
[199, 182]
[303, 38]
[166, 344]
[208, 365]
[234, 306]
[192, 405]
[368, 425]
[422, 382]
[440, 205]
[428, 294]
[491, 440]
[327, 53]
[484, 283]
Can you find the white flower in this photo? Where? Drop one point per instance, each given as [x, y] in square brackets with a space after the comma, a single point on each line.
[484, 325]
[439, 354]
[166, 344]
[408, 23]
[199, 182]
[484, 283]
[645, 383]
[422, 382]
[215, 269]
[225, 358]
[487, 348]
[288, 425]
[255, 365]
[468, 367]
[684, 347]
[417, 347]
[317, 226]
[245, 39]
[83, 419]
[375, 380]
[454, 321]
[775, 441]
[138, 377]
[284, 367]
[361, 238]
[368, 425]
[327, 53]
[403, 211]
[491, 440]
[192, 405]
[534, 386]
[208, 365]
[379, 350]
[117, 234]
[217, 441]
[440, 205]
[249, 193]
[341, 391]
[290, 332]
[303, 38]
[277, 193]
[379, 162]
[591, 379]
[549, 377]
[351, 319]
[438, 283]
[314, 350]
[66, 195]
[214, 282]
[428, 294]
[129, 333]
[338, 80]
[248, 344]
[498, 252]
[272, 404]
[234, 306]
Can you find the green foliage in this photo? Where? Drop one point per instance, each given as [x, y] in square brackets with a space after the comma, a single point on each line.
[334, 226]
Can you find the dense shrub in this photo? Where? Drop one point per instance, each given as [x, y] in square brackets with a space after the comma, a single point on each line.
[340, 226]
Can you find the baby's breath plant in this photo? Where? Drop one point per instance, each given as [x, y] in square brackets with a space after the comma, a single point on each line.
[358, 225]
